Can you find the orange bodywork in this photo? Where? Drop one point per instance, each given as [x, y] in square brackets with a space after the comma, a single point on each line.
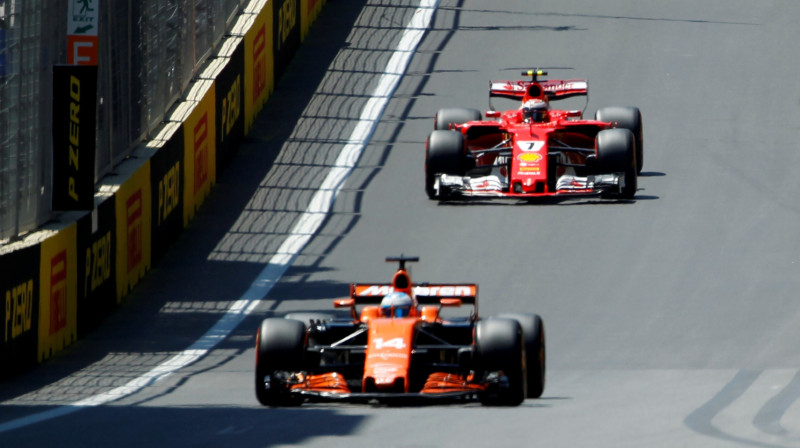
[370, 312]
[437, 383]
[388, 359]
[441, 382]
[388, 355]
[326, 382]
[390, 340]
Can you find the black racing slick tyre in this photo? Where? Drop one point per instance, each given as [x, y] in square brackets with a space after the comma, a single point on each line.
[500, 348]
[314, 322]
[616, 154]
[630, 118]
[280, 344]
[535, 351]
[444, 153]
[445, 118]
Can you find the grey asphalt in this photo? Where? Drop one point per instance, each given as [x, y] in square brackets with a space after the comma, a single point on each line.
[671, 319]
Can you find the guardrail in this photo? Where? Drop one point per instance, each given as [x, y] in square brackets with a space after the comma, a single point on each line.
[61, 282]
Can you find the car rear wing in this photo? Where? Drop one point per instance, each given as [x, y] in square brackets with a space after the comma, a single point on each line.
[426, 294]
[555, 89]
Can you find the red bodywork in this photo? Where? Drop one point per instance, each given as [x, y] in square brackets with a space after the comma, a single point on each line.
[516, 158]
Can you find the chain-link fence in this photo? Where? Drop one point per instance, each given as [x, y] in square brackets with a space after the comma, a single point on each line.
[149, 50]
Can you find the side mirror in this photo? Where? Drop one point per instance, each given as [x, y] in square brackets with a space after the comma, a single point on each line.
[493, 114]
[347, 303]
[344, 303]
[450, 302]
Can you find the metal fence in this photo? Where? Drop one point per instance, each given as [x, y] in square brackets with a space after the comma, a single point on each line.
[149, 51]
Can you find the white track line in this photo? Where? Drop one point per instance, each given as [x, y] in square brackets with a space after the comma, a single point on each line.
[305, 229]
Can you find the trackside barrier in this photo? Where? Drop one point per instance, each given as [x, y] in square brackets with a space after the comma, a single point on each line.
[61, 282]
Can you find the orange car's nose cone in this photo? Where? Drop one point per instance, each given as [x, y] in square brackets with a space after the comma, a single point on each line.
[388, 353]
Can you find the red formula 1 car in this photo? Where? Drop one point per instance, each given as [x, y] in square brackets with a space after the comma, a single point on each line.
[534, 150]
[398, 345]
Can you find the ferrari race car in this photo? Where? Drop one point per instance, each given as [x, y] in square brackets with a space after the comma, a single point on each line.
[398, 345]
[534, 150]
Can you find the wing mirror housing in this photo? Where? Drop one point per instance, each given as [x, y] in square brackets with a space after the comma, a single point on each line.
[450, 302]
[574, 114]
[347, 303]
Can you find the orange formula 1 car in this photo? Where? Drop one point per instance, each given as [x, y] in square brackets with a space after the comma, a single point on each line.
[400, 344]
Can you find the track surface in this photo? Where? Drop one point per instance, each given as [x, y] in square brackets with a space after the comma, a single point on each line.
[672, 320]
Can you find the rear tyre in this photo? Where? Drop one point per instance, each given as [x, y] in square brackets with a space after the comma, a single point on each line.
[616, 154]
[499, 348]
[280, 344]
[444, 153]
[445, 118]
[629, 118]
[535, 354]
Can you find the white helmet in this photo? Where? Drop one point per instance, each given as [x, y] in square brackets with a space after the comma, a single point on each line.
[396, 304]
[535, 110]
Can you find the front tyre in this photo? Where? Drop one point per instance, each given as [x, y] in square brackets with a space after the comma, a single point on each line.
[444, 153]
[616, 154]
[446, 118]
[535, 353]
[630, 118]
[280, 344]
[499, 348]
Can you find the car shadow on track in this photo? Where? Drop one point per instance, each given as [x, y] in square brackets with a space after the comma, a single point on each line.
[192, 426]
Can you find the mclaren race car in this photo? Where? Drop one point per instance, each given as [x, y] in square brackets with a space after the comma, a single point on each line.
[534, 150]
[401, 342]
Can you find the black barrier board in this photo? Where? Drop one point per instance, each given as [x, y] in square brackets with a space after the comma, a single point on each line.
[230, 108]
[167, 183]
[97, 272]
[19, 286]
[3, 50]
[74, 104]
[286, 32]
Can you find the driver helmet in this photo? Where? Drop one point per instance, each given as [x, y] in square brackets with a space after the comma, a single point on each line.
[535, 111]
[396, 304]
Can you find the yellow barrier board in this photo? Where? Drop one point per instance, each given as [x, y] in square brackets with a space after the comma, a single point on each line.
[199, 155]
[58, 295]
[134, 218]
[259, 65]
[309, 10]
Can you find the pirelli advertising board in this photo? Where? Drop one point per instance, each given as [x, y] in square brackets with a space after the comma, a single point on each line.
[309, 10]
[19, 286]
[259, 66]
[74, 105]
[286, 32]
[167, 185]
[58, 295]
[97, 273]
[229, 86]
[134, 217]
[199, 155]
